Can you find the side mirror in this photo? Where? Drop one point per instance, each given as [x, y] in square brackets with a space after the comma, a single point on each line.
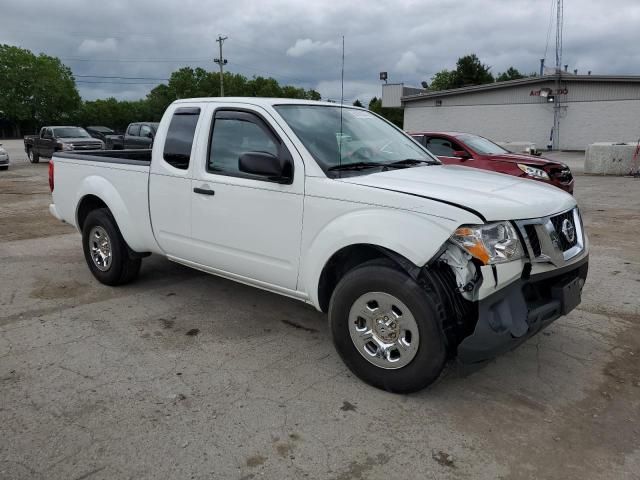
[266, 165]
[461, 154]
[149, 135]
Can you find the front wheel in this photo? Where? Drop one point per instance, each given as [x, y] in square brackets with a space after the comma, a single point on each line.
[387, 329]
[105, 251]
[32, 156]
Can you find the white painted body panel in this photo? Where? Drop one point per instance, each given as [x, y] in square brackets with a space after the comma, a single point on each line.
[280, 237]
[124, 188]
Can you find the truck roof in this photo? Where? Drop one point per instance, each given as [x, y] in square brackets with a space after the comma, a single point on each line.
[260, 101]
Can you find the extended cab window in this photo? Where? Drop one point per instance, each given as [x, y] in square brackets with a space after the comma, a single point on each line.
[177, 147]
[234, 134]
[134, 130]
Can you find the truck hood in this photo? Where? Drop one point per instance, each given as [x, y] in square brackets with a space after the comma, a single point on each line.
[493, 195]
[79, 140]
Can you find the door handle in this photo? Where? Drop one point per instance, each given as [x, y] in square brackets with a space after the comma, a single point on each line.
[204, 191]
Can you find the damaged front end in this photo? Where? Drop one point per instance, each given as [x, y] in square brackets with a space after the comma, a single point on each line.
[496, 291]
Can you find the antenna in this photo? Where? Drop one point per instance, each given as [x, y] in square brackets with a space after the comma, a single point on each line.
[555, 131]
[341, 104]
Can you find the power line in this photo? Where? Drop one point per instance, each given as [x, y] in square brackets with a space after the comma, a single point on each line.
[121, 78]
[136, 60]
[117, 83]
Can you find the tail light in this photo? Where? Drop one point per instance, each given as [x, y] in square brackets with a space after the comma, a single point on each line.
[51, 175]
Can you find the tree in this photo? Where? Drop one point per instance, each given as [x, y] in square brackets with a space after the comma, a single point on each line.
[357, 103]
[35, 90]
[394, 115]
[469, 71]
[443, 80]
[510, 74]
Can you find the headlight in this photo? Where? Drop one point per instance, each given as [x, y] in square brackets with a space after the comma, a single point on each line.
[491, 243]
[65, 146]
[533, 172]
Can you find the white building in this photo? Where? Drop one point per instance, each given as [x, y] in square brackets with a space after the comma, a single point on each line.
[591, 108]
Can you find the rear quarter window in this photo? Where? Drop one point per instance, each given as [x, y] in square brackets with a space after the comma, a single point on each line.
[177, 146]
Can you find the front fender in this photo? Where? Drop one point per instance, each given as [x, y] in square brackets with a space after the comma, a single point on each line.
[415, 236]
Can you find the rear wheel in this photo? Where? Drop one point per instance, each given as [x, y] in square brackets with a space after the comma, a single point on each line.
[387, 329]
[105, 251]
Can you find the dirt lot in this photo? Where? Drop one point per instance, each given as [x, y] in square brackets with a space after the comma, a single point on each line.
[184, 375]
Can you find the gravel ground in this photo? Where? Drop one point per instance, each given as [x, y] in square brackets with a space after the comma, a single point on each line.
[184, 375]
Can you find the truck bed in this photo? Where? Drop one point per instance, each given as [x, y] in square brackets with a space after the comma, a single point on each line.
[120, 178]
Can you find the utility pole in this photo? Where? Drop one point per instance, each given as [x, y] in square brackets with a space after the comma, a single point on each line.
[221, 61]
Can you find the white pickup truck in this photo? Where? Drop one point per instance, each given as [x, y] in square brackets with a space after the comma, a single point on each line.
[415, 262]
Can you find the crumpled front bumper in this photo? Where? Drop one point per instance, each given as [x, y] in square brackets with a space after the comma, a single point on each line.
[517, 312]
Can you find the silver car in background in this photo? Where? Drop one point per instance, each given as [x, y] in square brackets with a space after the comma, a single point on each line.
[4, 158]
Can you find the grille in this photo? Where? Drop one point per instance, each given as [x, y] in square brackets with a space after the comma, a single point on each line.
[534, 241]
[558, 220]
[545, 240]
[87, 146]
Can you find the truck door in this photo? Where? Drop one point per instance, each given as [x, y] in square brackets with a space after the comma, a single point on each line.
[242, 224]
[47, 143]
[170, 182]
[131, 136]
[145, 140]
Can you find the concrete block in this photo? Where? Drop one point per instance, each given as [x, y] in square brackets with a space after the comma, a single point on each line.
[610, 158]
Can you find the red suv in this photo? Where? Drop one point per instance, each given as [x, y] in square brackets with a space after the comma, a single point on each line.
[454, 148]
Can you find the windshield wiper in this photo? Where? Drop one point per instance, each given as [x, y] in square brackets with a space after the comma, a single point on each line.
[411, 161]
[356, 166]
[406, 163]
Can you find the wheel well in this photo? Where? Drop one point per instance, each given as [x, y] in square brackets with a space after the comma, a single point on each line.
[347, 259]
[87, 205]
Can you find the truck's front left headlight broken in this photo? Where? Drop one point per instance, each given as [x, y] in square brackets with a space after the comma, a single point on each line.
[491, 243]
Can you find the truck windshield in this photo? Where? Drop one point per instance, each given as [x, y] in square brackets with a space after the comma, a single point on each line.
[70, 132]
[352, 137]
[481, 145]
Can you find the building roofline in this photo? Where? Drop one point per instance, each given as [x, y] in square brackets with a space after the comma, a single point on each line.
[566, 77]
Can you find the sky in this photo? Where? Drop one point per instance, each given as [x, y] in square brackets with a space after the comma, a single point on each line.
[139, 43]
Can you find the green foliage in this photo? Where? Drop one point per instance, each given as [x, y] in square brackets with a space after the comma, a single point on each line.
[188, 83]
[40, 90]
[443, 80]
[357, 103]
[35, 89]
[394, 115]
[469, 71]
[510, 74]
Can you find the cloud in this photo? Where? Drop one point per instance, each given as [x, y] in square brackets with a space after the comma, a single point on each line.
[408, 63]
[298, 43]
[306, 45]
[90, 46]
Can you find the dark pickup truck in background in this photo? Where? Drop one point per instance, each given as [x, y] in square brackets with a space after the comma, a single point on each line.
[137, 136]
[59, 138]
[140, 135]
[112, 139]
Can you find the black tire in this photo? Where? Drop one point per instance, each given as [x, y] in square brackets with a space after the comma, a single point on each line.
[32, 156]
[4, 167]
[122, 269]
[429, 360]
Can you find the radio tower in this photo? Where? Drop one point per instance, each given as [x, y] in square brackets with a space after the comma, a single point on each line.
[556, 105]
